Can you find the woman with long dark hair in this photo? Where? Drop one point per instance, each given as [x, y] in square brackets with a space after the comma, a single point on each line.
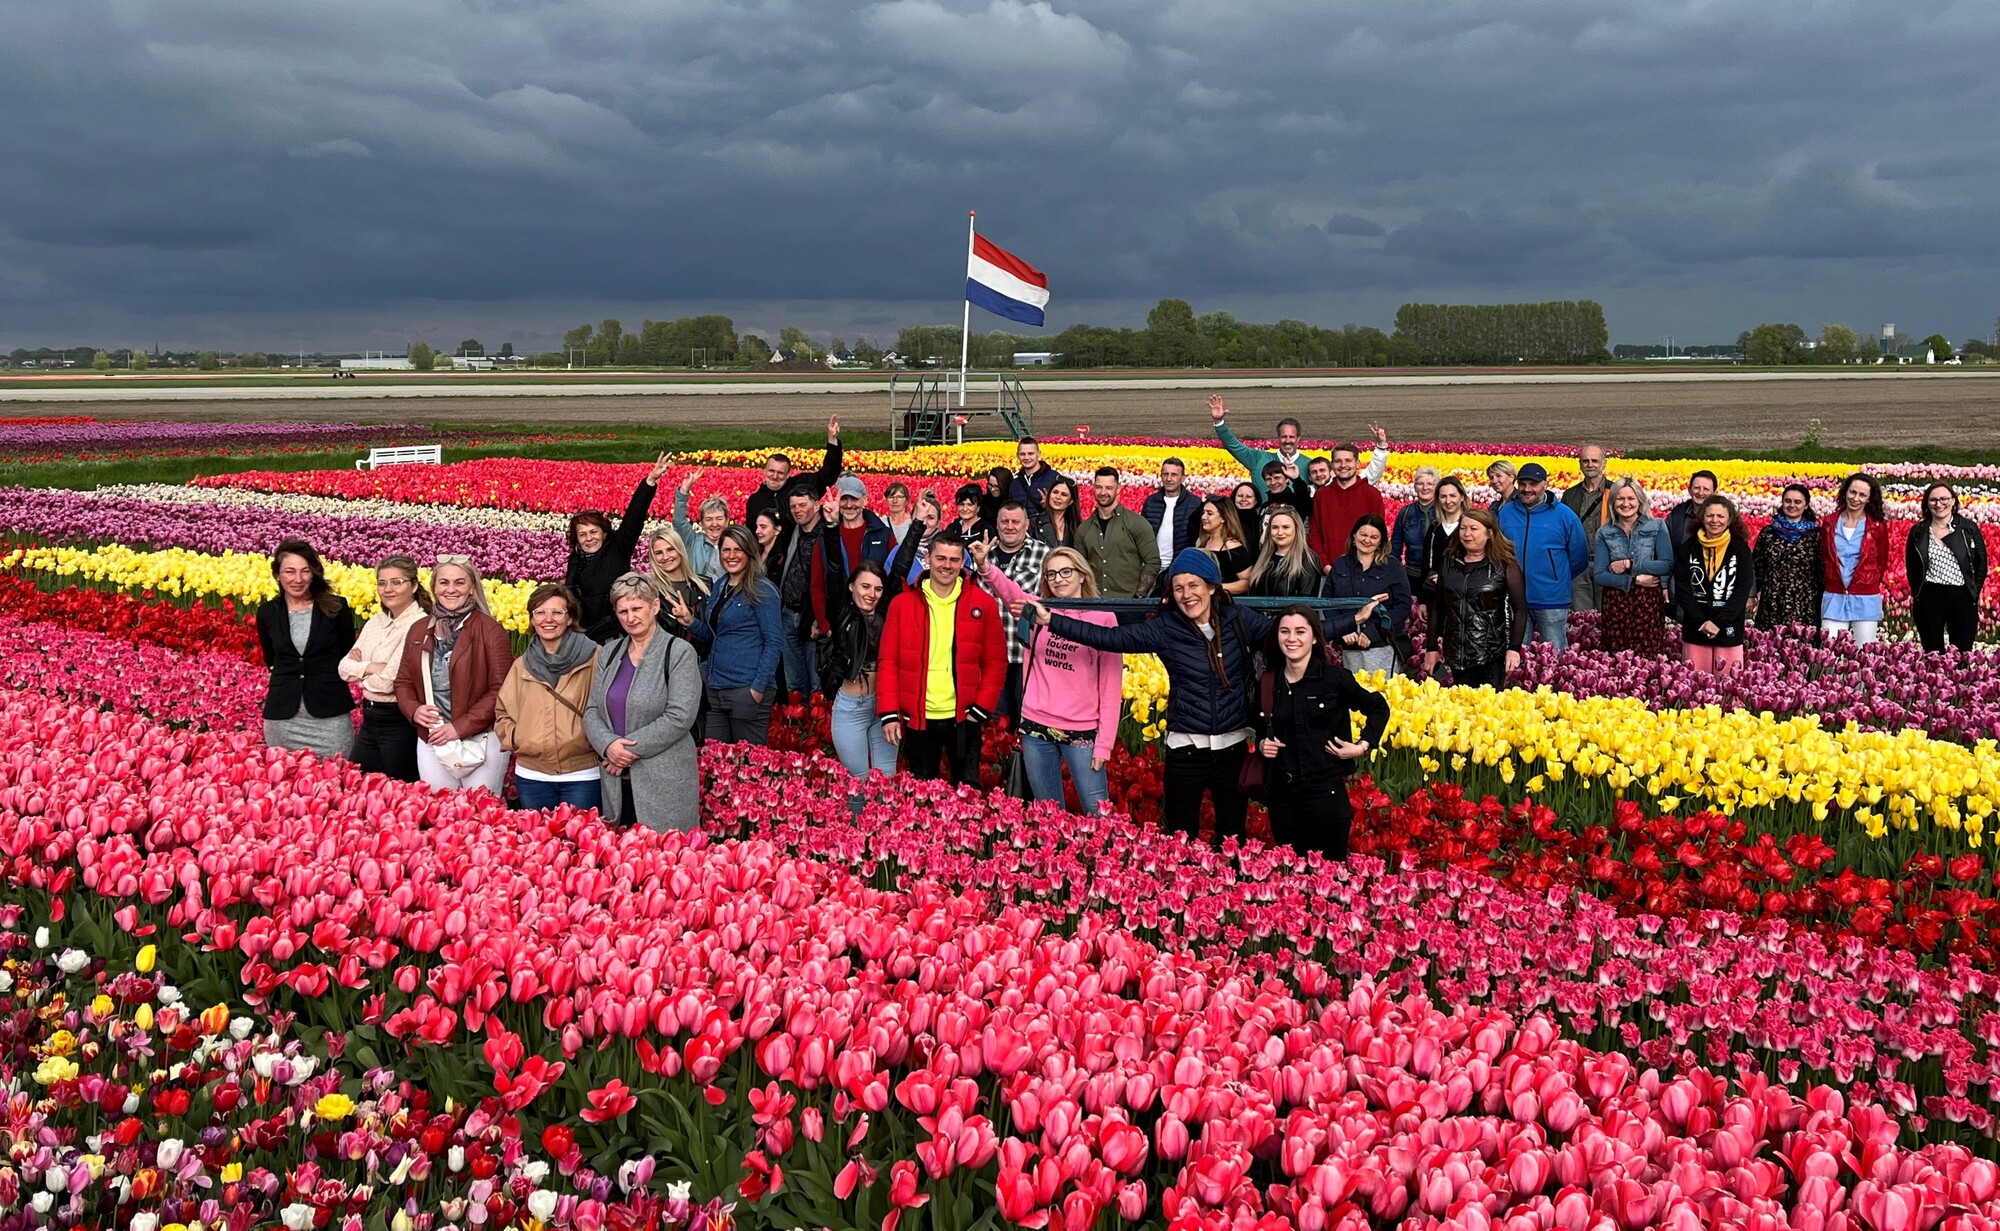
[741, 631]
[1307, 735]
[1945, 560]
[1479, 608]
[1252, 515]
[600, 552]
[1786, 560]
[1060, 516]
[1854, 555]
[1712, 580]
[1368, 570]
[1219, 533]
[386, 743]
[304, 633]
[851, 655]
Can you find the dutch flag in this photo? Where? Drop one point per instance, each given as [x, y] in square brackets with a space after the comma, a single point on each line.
[1004, 284]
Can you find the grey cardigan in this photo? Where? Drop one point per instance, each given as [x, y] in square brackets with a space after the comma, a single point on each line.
[659, 719]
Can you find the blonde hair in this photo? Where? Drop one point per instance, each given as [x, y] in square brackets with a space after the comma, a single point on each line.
[1294, 561]
[471, 570]
[672, 538]
[1074, 558]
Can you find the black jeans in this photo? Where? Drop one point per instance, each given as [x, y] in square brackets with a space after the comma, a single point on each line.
[1192, 771]
[1311, 818]
[1945, 611]
[1493, 674]
[955, 743]
[386, 742]
[735, 716]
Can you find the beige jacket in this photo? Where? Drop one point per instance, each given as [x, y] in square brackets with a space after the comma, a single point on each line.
[381, 641]
[544, 734]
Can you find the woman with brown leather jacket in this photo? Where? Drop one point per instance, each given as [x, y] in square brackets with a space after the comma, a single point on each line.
[449, 683]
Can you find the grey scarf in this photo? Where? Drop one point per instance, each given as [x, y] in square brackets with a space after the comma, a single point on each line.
[575, 650]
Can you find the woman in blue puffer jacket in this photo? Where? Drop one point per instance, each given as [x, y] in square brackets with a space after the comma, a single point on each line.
[1207, 645]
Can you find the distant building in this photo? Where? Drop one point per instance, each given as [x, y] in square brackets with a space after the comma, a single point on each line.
[471, 363]
[1917, 353]
[1033, 358]
[378, 363]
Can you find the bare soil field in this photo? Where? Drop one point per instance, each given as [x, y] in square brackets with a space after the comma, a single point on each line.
[1962, 412]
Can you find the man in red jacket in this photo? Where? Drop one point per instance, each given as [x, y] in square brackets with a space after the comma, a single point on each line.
[943, 664]
[1338, 505]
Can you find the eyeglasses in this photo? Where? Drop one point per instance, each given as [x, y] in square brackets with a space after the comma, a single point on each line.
[1062, 574]
[393, 583]
[461, 561]
[1940, 499]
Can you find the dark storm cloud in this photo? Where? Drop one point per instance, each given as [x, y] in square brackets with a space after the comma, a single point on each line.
[231, 160]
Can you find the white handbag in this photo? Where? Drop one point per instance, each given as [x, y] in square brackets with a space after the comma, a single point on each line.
[461, 758]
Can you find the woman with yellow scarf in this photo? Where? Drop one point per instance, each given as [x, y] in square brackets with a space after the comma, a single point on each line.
[1712, 580]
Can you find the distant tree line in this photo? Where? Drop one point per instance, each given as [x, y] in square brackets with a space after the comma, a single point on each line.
[1562, 331]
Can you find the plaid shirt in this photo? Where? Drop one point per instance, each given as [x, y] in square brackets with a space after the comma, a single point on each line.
[1024, 569]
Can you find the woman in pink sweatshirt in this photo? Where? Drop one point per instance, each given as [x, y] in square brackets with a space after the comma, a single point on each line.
[1070, 697]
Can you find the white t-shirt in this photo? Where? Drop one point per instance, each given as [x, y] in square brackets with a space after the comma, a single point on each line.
[1165, 535]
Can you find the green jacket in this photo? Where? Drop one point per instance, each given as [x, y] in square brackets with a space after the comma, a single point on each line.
[1254, 460]
[1122, 552]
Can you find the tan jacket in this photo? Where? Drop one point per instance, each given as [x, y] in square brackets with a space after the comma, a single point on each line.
[544, 734]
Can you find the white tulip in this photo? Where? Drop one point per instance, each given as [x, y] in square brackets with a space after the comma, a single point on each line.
[455, 1158]
[542, 1204]
[297, 1216]
[145, 1222]
[680, 1190]
[43, 1202]
[169, 1152]
[72, 960]
[41, 938]
[240, 1028]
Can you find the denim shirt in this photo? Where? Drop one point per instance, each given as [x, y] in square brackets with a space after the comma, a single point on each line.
[1647, 547]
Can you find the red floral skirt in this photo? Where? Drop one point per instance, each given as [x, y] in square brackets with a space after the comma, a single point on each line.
[1634, 619]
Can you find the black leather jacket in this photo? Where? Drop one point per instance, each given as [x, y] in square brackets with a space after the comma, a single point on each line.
[856, 641]
[1480, 612]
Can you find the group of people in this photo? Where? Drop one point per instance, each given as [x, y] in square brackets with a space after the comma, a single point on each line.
[920, 624]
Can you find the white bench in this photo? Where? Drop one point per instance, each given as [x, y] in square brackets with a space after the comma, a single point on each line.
[402, 455]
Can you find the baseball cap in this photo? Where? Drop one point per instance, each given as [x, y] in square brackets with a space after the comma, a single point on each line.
[1533, 472]
[851, 486]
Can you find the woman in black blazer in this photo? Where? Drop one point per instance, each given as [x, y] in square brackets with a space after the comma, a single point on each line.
[305, 632]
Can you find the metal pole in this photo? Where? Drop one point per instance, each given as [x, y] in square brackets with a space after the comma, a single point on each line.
[965, 330]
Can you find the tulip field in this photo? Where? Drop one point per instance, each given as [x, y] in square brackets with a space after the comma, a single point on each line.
[1621, 947]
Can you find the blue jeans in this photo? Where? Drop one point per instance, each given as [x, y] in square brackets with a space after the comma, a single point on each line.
[801, 673]
[857, 736]
[1550, 625]
[1045, 762]
[539, 795]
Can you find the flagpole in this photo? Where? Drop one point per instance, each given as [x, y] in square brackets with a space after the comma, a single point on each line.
[965, 330]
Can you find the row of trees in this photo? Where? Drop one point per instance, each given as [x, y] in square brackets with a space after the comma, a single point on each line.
[1561, 331]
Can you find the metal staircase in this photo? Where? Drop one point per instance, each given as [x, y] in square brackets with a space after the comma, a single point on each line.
[924, 408]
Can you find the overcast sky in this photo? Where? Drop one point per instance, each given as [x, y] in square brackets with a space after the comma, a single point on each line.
[243, 173]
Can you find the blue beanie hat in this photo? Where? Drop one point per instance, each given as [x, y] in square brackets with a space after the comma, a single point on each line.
[1196, 563]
